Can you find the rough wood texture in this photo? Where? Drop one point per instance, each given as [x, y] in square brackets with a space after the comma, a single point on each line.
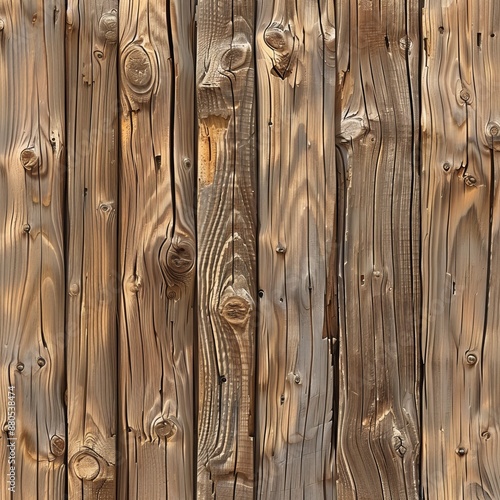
[226, 248]
[460, 129]
[157, 249]
[378, 52]
[31, 244]
[296, 123]
[92, 282]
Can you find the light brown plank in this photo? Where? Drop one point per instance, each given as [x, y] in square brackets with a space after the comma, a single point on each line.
[297, 195]
[226, 248]
[460, 125]
[378, 450]
[92, 279]
[157, 250]
[32, 138]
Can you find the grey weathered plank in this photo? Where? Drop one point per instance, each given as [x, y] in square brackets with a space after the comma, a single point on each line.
[378, 433]
[460, 127]
[32, 137]
[157, 250]
[226, 248]
[297, 195]
[92, 280]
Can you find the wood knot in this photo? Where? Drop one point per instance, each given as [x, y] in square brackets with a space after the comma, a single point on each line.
[399, 448]
[137, 66]
[30, 160]
[86, 465]
[138, 75]
[108, 26]
[106, 207]
[486, 435]
[471, 358]
[165, 428]
[74, 289]
[57, 445]
[493, 129]
[281, 41]
[135, 284]
[465, 96]
[236, 310]
[470, 180]
[238, 55]
[180, 258]
[2, 24]
[405, 44]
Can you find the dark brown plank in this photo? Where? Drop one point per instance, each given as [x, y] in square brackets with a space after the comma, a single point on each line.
[378, 52]
[226, 248]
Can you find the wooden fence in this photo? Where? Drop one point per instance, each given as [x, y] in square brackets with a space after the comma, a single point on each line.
[250, 249]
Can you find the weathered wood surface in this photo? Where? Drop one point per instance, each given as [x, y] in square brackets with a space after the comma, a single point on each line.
[226, 248]
[460, 128]
[378, 432]
[32, 132]
[157, 250]
[92, 282]
[296, 152]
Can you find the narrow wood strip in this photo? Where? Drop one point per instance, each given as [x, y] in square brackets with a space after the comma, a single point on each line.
[461, 122]
[378, 447]
[157, 249]
[297, 195]
[92, 279]
[32, 159]
[226, 248]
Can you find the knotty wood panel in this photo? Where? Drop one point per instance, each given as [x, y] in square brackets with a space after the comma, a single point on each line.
[226, 248]
[296, 124]
[92, 280]
[460, 128]
[32, 161]
[378, 433]
[157, 250]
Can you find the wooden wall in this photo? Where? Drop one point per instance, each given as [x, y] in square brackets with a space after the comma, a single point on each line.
[249, 249]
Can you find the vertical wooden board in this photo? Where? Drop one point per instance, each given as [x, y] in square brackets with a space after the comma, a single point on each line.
[378, 432]
[92, 280]
[32, 139]
[226, 248]
[460, 210]
[297, 193]
[157, 249]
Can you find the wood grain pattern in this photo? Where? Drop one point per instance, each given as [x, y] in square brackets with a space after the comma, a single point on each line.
[378, 51]
[32, 139]
[460, 125]
[297, 195]
[157, 249]
[92, 280]
[226, 248]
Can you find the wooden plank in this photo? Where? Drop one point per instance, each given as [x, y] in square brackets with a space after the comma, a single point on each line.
[378, 447]
[157, 249]
[226, 248]
[297, 195]
[460, 126]
[32, 137]
[92, 280]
